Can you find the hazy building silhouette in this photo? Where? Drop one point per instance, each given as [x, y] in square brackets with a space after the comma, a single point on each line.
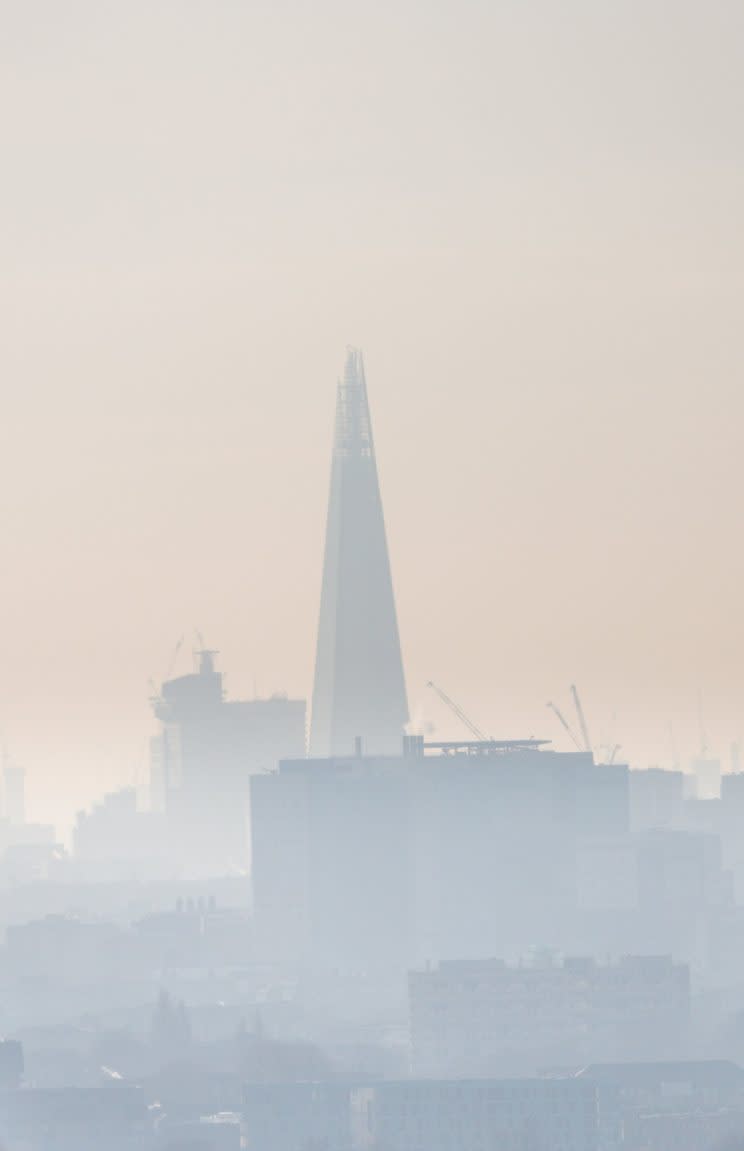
[438, 1115]
[116, 838]
[203, 758]
[462, 1114]
[359, 690]
[488, 1018]
[75, 1119]
[656, 799]
[11, 1063]
[446, 850]
[14, 779]
[695, 1105]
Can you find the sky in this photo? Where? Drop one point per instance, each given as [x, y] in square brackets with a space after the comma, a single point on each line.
[527, 214]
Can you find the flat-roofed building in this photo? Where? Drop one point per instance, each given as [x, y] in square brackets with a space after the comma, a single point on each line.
[445, 850]
[490, 1018]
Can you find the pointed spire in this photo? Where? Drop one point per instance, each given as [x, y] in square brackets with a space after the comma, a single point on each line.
[353, 436]
[359, 691]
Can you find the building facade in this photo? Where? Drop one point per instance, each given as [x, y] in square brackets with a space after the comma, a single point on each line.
[359, 691]
[489, 1018]
[390, 861]
[207, 749]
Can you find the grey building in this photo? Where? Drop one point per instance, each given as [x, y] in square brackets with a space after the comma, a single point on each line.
[298, 1116]
[471, 1114]
[385, 861]
[656, 799]
[359, 691]
[410, 1115]
[75, 1119]
[206, 751]
[490, 1018]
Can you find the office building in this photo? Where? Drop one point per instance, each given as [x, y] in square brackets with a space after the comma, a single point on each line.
[206, 751]
[489, 1018]
[359, 691]
[445, 850]
[463, 1115]
[296, 1116]
[410, 1115]
[656, 799]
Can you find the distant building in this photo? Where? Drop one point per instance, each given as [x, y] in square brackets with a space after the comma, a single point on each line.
[206, 752]
[662, 1085]
[359, 691]
[367, 861]
[707, 773]
[75, 1119]
[681, 871]
[62, 950]
[607, 874]
[459, 1115]
[24, 847]
[208, 1133]
[199, 936]
[115, 830]
[669, 1106]
[11, 1063]
[33, 860]
[682, 1130]
[297, 1116]
[26, 835]
[14, 779]
[487, 1018]
[731, 826]
[656, 799]
[410, 1115]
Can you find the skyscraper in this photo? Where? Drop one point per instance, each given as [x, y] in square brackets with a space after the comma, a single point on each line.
[203, 757]
[359, 690]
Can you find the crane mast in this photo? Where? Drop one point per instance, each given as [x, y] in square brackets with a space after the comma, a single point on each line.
[582, 720]
[458, 712]
[564, 722]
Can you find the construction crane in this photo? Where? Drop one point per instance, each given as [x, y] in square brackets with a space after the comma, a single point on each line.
[613, 753]
[582, 721]
[173, 659]
[564, 722]
[458, 712]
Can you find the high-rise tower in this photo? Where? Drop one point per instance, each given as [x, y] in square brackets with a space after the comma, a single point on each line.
[360, 689]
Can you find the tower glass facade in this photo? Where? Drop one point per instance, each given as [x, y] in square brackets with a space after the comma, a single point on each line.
[359, 691]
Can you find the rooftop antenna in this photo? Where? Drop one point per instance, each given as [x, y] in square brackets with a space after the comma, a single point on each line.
[205, 655]
[173, 658]
[703, 734]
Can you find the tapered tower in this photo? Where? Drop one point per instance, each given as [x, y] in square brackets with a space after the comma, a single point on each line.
[359, 690]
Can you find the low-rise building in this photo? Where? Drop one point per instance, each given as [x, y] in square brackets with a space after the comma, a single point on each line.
[484, 1018]
[468, 1115]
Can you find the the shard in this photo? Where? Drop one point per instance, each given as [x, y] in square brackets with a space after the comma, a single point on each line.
[359, 696]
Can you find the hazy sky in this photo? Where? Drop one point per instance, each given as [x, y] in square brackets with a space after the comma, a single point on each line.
[528, 214]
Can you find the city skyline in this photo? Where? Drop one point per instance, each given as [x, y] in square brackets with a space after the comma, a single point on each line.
[371, 629]
[549, 324]
[677, 739]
